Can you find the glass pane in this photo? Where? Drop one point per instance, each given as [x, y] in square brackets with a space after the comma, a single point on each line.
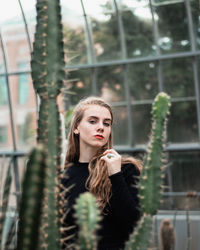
[110, 83]
[185, 172]
[76, 49]
[141, 115]
[97, 7]
[196, 21]
[79, 86]
[4, 164]
[132, 3]
[164, 2]
[173, 28]
[182, 126]
[138, 30]
[105, 33]
[24, 113]
[26, 130]
[143, 82]
[23, 84]
[178, 82]
[14, 34]
[3, 135]
[71, 9]
[3, 88]
[120, 126]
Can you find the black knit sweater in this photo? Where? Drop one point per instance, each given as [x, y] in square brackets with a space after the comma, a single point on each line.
[123, 209]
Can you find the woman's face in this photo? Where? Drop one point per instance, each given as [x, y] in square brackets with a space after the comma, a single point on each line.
[95, 127]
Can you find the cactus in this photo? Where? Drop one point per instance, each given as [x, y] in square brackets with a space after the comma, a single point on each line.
[152, 174]
[88, 216]
[137, 240]
[150, 185]
[48, 72]
[5, 199]
[31, 202]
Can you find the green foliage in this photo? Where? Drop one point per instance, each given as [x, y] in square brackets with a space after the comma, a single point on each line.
[87, 214]
[32, 198]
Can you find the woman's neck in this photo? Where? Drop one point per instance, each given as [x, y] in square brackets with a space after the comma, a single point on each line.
[87, 154]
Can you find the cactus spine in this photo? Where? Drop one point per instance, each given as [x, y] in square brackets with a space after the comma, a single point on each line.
[88, 216]
[150, 185]
[31, 202]
[47, 73]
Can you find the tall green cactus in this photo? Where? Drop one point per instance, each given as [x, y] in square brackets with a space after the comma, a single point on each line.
[152, 174]
[150, 184]
[47, 73]
[32, 198]
[88, 216]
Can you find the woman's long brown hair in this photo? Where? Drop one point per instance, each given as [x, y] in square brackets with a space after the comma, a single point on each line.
[98, 182]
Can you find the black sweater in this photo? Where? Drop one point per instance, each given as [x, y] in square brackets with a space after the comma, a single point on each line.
[123, 209]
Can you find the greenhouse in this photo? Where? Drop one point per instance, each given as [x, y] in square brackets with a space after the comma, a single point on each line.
[125, 52]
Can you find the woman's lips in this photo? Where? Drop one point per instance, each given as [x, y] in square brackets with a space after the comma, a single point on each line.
[99, 137]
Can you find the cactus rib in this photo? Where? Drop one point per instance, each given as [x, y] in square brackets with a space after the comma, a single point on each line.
[32, 197]
[87, 214]
[152, 174]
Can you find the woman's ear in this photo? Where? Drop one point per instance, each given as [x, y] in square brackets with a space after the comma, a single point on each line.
[76, 132]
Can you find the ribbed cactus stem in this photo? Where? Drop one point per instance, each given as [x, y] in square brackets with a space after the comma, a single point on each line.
[150, 184]
[4, 204]
[152, 174]
[139, 240]
[32, 198]
[87, 215]
[48, 75]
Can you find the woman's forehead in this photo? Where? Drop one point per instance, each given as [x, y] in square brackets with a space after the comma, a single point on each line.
[98, 111]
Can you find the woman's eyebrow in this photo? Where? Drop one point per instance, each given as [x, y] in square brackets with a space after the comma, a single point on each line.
[95, 117]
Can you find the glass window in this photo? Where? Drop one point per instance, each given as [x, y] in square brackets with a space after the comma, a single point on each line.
[124, 4]
[138, 32]
[3, 134]
[76, 48]
[178, 77]
[141, 115]
[173, 27]
[23, 85]
[163, 2]
[184, 173]
[196, 21]
[143, 82]
[3, 88]
[106, 37]
[120, 126]
[182, 125]
[3, 91]
[79, 85]
[110, 83]
[25, 130]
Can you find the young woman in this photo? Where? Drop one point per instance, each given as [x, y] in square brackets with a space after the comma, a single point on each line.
[93, 165]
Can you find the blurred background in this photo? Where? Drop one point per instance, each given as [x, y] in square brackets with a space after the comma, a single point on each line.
[125, 51]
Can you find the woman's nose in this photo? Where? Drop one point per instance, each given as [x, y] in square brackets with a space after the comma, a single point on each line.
[100, 126]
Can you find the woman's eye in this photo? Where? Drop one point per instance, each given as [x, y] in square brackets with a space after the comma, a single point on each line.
[92, 121]
[106, 124]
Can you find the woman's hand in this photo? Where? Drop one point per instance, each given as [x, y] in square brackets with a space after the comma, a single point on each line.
[113, 161]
